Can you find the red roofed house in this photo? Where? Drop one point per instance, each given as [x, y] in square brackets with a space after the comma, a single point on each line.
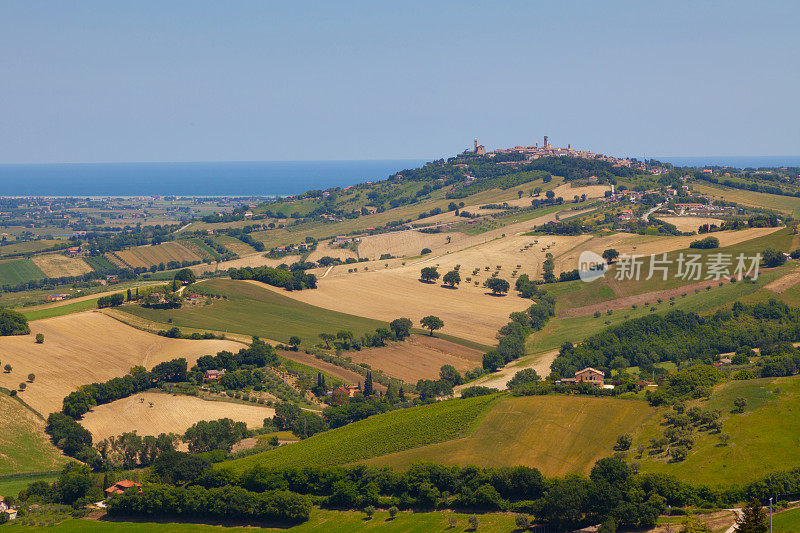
[212, 375]
[121, 486]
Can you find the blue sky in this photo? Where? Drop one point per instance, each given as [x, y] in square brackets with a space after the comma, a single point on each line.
[218, 81]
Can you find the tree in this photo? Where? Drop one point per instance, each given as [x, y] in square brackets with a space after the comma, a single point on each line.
[185, 276]
[401, 327]
[497, 285]
[8, 368]
[31, 377]
[369, 389]
[739, 404]
[753, 519]
[13, 323]
[429, 322]
[327, 338]
[452, 278]
[429, 274]
[523, 377]
[206, 436]
[23, 386]
[369, 510]
[294, 342]
[772, 257]
[39, 338]
[425, 251]
[393, 510]
[610, 255]
[450, 374]
[550, 195]
[624, 442]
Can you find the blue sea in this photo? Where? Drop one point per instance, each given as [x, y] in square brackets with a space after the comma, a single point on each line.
[259, 178]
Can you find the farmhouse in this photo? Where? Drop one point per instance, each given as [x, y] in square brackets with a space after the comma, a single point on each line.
[212, 375]
[121, 486]
[55, 297]
[587, 375]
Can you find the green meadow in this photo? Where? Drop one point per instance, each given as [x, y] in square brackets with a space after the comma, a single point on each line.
[250, 309]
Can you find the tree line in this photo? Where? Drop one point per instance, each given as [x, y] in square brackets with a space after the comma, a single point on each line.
[296, 280]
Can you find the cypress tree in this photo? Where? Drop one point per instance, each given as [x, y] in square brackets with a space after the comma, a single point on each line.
[369, 390]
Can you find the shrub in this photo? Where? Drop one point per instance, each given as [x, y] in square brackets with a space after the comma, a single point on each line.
[39, 338]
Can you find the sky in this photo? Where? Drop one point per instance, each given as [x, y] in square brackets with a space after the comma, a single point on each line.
[100, 81]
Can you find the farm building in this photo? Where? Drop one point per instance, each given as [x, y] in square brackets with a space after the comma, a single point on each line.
[121, 486]
[55, 297]
[587, 375]
[212, 375]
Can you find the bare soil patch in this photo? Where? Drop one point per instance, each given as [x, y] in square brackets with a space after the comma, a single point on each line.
[418, 357]
[83, 348]
[688, 223]
[153, 413]
[784, 282]
[57, 265]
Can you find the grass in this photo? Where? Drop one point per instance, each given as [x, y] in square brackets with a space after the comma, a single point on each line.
[787, 521]
[251, 309]
[212, 253]
[23, 445]
[762, 440]
[60, 310]
[19, 271]
[556, 434]
[100, 263]
[577, 293]
[575, 329]
[234, 245]
[320, 520]
[11, 485]
[774, 202]
[377, 435]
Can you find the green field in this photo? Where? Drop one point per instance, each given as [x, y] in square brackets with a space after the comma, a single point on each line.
[254, 310]
[100, 263]
[60, 310]
[763, 439]
[320, 520]
[774, 202]
[212, 253]
[19, 271]
[556, 434]
[577, 293]
[574, 329]
[787, 521]
[28, 247]
[377, 435]
[10, 485]
[23, 444]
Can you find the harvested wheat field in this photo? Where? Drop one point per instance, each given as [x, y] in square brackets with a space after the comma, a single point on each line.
[467, 312]
[410, 243]
[57, 265]
[784, 282]
[689, 223]
[153, 413]
[325, 249]
[145, 256]
[82, 348]
[418, 357]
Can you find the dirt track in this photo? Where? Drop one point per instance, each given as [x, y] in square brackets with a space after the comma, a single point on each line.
[539, 362]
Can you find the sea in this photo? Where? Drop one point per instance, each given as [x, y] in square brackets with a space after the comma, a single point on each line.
[250, 178]
[257, 178]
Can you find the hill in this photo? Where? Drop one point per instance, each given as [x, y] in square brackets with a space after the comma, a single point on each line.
[23, 445]
[253, 309]
[763, 439]
[556, 434]
[377, 435]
